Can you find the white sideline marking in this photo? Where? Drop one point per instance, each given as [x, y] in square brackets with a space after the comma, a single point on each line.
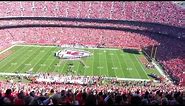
[131, 79]
[6, 49]
[22, 74]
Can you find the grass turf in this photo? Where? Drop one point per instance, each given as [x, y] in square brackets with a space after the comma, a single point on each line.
[103, 62]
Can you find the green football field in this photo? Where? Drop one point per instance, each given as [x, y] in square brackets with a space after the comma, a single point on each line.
[103, 62]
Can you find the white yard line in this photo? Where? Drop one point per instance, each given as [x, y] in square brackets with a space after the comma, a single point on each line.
[44, 56]
[93, 63]
[133, 65]
[50, 63]
[7, 61]
[17, 67]
[38, 61]
[115, 72]
[63, 65]
[106, 63]
[127, 66]
[84, 69]
[120, 65]
[78, 69]
[6, 49]
[99, 62]
[141, 66]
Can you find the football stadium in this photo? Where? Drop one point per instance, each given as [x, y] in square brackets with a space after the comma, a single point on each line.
[92, 52]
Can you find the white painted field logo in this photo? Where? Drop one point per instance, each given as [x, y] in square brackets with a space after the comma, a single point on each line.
[72, 54]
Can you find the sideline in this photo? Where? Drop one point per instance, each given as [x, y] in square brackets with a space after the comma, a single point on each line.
[24, 74]
[64, 47]
[160, 71]
[13, 74]
[7, 49]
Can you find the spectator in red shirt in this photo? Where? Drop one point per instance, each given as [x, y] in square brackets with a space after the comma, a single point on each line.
[19, 100]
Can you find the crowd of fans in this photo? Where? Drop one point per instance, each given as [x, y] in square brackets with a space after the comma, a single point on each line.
[78, 36]
[156, 28]
[155, 11]
[113, 92]
[170, 52]
[66, 79]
